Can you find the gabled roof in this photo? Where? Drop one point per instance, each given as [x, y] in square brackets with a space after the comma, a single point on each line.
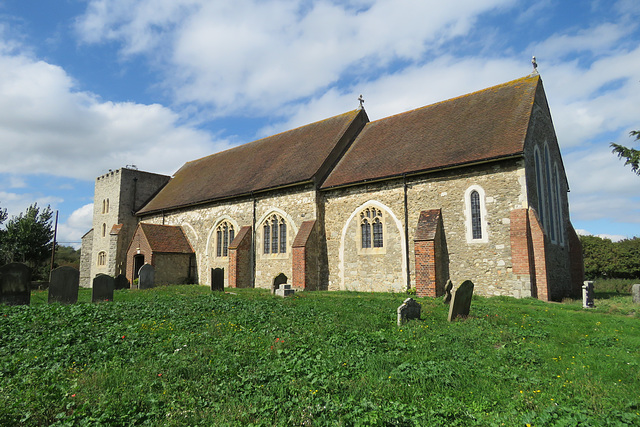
[165, 238]
[300, 155]
[484, 125]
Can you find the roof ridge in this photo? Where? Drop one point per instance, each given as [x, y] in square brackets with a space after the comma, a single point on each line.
[498, 86]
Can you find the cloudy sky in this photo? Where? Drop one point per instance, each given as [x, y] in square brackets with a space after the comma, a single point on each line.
[92, 85]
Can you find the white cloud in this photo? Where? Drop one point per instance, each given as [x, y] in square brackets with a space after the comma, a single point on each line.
[15, 204]
[78, 223]
[48, 127]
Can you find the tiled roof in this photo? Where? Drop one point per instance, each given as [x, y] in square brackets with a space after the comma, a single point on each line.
[488, 124]
[296, 156]
[166, 238]
[428, 225]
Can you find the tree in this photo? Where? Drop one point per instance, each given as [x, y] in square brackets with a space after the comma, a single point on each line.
[27, 239]
[632, 155]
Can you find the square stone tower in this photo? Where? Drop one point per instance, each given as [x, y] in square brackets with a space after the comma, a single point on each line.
[118, 195]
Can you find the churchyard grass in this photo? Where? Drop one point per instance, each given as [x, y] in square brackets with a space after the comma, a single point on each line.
[181, 355]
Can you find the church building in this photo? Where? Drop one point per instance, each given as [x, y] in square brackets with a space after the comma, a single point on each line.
[469, 188]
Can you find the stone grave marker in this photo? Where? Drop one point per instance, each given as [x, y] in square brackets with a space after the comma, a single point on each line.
[461, 301]
[447, 292]
[103, 286]
[15, 280]
[284, 290]
[63, 285]
[280, 279]
[587, 294]
[146, 277]
[217, 279]
[121, 282]
[635, 293]
[410, 309]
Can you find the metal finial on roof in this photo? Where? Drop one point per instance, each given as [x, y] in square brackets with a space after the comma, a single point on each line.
[535, 65]
[361, 99]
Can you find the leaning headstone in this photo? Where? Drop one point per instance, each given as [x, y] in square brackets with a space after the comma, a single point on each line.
[15, 279]
[103, 286]
[447, 292]
[121, 282]
[461, 301]
[63, 285]
[635, 293]
[146, 277]
[217, 279]
[284, 290]
[280, 279]
[410, 309]
[587, 294]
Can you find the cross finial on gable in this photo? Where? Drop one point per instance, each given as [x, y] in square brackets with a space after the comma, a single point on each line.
[361, 99]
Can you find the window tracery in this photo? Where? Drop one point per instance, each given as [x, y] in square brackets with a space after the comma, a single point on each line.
[225, 234]
[274, 235]
[371, 228]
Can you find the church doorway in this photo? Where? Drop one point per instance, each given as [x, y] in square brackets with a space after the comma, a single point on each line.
[138, 262]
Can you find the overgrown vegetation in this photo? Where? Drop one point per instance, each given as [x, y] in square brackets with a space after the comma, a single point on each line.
[186, 356]
[606, 259]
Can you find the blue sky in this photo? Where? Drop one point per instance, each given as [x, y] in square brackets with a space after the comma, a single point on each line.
[92, 85]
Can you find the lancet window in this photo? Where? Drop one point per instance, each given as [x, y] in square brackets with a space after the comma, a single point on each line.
[274, 235]
[225, 234]
[371, 228]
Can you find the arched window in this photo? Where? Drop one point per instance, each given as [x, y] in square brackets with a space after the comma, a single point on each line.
[224, 236]
[107, 207]
[371, 228]
[104, 230]
[476, 215]
[275, 235]
[102, 258]
[539, 186]
[551, 198]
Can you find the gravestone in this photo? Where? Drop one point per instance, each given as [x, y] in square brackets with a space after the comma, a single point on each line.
[103, 286]
[217, 279]
[447, 292]
[284, 290]
[410, 309]
[121, 282]
[461, 301]
[280, 279]
[15, 279]
[63, 285]
[587, 294]
[635, 293]
[146, 277]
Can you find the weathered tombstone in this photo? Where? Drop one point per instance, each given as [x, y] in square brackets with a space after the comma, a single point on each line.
[447, 292]
[121, 282]
[14, 284]
[284, 290]
[63, 285]
[461, 301]
[280, 279]
[635, 293]
[146, 277]
[587, 294]
[217, 279]
[103, 286]
[410, 309]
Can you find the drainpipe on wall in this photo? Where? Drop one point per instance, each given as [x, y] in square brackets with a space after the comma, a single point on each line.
[406, 230]
[253, 243]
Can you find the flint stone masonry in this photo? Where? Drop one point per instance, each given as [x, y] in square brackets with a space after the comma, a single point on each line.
[635, 293]
[103, 286]
[461, 301]
[63, 285]
[410, 309]
[146, 277]
[15, 279]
